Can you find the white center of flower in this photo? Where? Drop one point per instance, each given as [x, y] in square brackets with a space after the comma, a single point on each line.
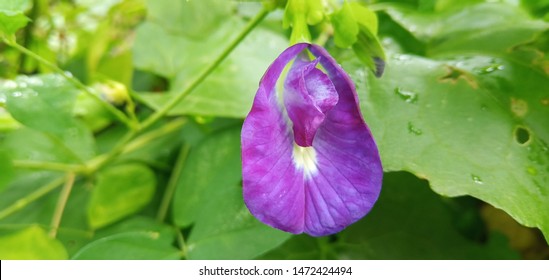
[305, 159]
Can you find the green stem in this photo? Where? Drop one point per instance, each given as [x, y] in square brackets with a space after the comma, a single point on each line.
[99, 161]
[61, 203]
[125, 146]
[23, 202]
[168, 106]
[109, 107]
[148, 137]
[54, 166]
[172, 183]
[181, 243]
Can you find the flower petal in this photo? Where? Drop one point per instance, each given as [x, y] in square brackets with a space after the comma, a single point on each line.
[272, 186]
[349, 167]
[325, 173]
[308, 95]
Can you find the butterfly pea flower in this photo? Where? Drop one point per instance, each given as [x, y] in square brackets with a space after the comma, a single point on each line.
[310, 163]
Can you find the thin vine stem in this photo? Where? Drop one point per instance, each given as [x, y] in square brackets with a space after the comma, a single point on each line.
[181, 242]
[148, 137]
[101, 160]
[109, 107]
[23, 202]
[54, 166]
[61, 203]
[172, 183]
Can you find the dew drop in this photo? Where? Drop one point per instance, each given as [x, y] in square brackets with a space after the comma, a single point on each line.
[401, 57]
[414, 130]
[406, 95]
[477, 179]
[33, 81]
[9, 84]
[16, 94]
[489, 69]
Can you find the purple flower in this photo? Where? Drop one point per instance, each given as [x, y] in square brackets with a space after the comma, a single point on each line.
[309, 161]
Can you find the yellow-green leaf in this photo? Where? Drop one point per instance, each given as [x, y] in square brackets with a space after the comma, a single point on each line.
[31, 243]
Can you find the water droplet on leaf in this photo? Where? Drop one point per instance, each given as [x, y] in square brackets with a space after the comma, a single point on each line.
[489, 69]
[476, 179]
[9, 84]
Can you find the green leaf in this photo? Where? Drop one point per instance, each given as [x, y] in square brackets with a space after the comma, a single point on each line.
[31, 243]
[12, 17]
[299, 247]
[195, 19]
[475, 126]
[223, 227]
[7, 169]
[52, 89]
[16, 193]
[237, 76]
[138, 245]
[218, 153]
[138, 223]
[120, 191]
[126, 235]
[409, 221]
[345, 26]
[487, 27]
[7, 122]
[45, 103]
[28, 144]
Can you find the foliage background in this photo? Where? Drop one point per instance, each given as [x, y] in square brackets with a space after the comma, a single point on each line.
[93, 166]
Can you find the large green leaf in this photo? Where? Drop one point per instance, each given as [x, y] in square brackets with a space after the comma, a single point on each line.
[30, 243]
[228, 91]
[195, 19]
[474, 126]
[218, 155]
[137, 245]
[209, 196]
[485, 28]
[120, 191]
[409, 221]
[44, 103]
[29, 144]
